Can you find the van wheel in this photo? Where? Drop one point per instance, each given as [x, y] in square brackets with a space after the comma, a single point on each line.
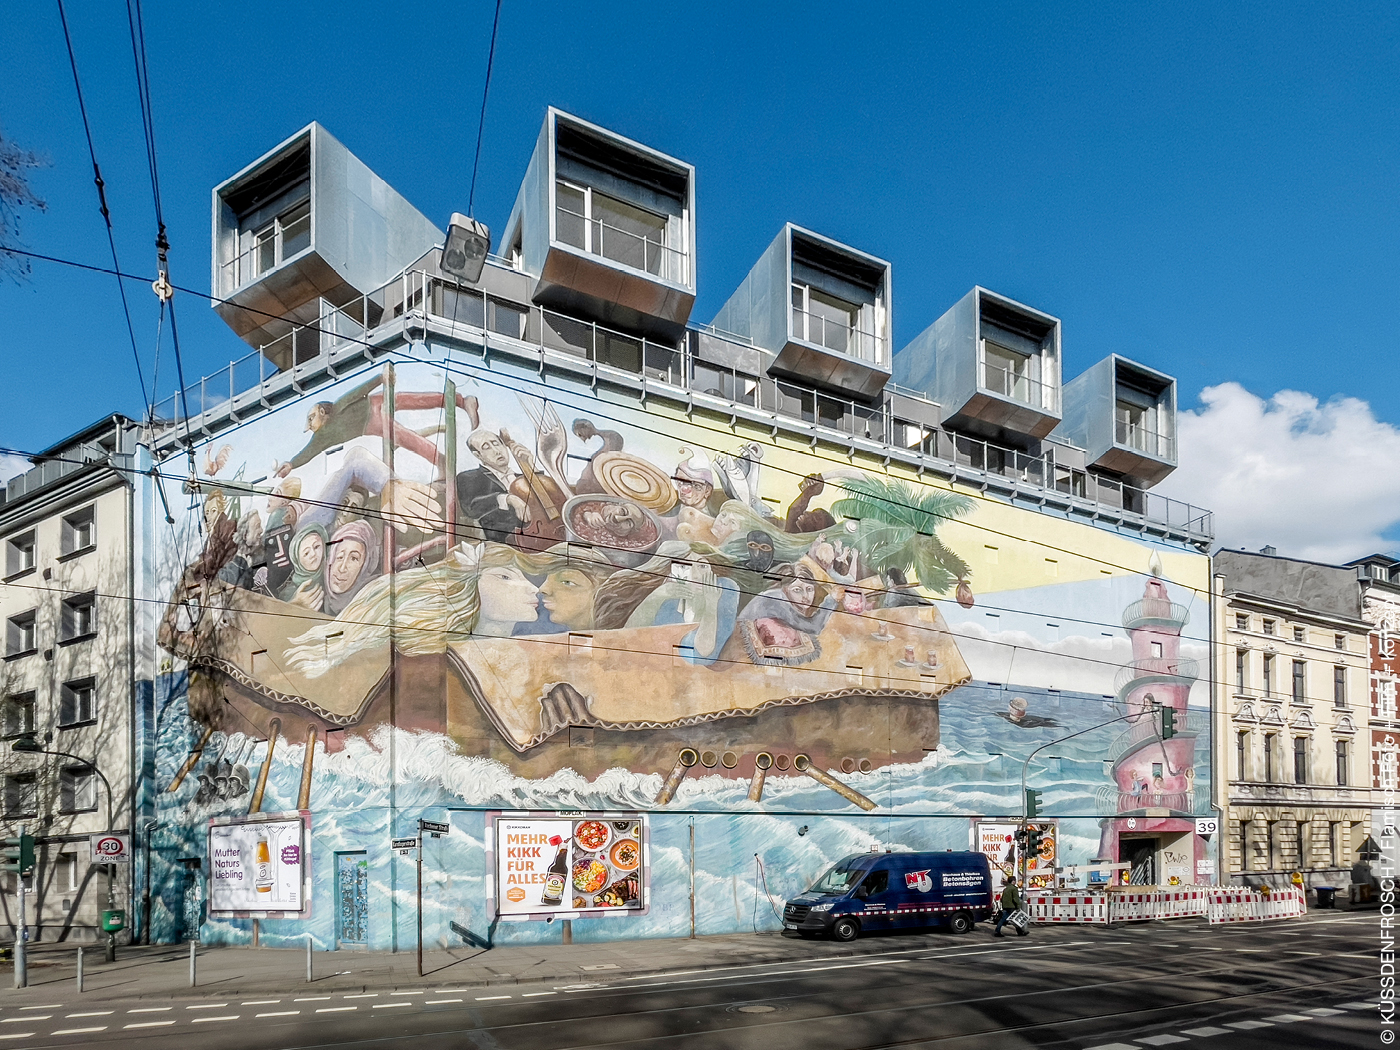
[845, 929]
[961, 922]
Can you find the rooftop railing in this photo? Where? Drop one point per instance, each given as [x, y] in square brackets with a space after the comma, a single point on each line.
[305, 351]
[839, 337]
[1140, 438]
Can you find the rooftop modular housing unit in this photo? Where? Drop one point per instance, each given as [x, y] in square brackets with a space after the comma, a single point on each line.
[1123, 415]
[993, 364]
[606, 227]
[820, 308]
[304, 229]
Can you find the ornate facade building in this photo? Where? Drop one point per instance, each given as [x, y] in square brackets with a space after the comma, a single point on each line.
[1291, 675]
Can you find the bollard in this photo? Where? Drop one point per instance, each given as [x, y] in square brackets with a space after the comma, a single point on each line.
[308, 958]
[192, 946]
[80, 968]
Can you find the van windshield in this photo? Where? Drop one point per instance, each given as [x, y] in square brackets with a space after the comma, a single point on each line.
[837, 880]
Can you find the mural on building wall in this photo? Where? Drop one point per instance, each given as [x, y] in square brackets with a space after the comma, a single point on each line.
[546, 599]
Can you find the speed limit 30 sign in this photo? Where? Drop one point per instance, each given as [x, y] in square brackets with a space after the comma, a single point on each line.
[110, 848]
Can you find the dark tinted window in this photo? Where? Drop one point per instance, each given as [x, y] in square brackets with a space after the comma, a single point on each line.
[877, 882]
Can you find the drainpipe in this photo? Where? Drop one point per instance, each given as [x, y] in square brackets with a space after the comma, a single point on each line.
[1219, 722]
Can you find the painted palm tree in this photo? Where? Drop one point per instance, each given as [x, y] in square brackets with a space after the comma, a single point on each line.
[898, 529]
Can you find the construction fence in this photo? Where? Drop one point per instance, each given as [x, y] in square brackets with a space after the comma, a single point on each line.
[1215, 904]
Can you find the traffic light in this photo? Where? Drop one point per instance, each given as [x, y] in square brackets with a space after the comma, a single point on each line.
[1168, 723]
[1020, 837]
[1032, 803]
[19, 854]
[1033, 837]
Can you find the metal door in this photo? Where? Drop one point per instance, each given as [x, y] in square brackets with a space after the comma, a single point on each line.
[352, 900]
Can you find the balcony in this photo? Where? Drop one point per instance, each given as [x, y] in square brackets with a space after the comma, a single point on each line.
[1112, 802]
[994, 366]
[345, 335]
[1137, 437]
[281, 241]
[1179, 670]
[605, 228]
[1156, 612]
[1123, 415]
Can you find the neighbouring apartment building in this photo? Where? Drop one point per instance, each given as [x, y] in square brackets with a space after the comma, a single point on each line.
[74, 691]
[745, 596]
[1293, 657]
[1379, 578]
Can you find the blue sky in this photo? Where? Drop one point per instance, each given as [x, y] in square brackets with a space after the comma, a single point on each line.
[1209, 191]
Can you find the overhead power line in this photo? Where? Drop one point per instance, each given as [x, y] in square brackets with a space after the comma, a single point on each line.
[485, 89]
[146, 398]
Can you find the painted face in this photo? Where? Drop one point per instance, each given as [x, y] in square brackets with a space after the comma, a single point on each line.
[491, 451]
[621, 519]
[800, 593]
[760, 551]
[507, 596]
[726, 525]
[311, 551]
[346, 563]
[694, 493]
[568, 595]
[316, 418]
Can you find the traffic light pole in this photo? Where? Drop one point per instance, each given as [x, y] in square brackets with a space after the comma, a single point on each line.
[1025, 767]
[21, 932]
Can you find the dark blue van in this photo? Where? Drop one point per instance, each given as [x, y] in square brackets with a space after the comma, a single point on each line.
[882, 891]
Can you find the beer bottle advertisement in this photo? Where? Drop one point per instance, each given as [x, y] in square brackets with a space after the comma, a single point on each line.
[588, 864]
[256, 866]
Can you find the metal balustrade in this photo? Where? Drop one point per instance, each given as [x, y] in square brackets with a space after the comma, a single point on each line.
[1110, 800]
[1135, 436]
[617, 245]
[473, 314]
[839, 337]
[1018, 386]
[270, 249]
[1174, 670]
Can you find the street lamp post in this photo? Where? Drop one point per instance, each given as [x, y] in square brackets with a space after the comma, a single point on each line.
[27, 744]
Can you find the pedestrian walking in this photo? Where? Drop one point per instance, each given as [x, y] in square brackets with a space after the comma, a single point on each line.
[1010, 905]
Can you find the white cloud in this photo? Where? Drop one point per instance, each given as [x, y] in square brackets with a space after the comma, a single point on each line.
[1318, 481]
[10, 465]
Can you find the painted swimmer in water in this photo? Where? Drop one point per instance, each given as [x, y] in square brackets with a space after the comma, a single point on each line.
[1015, 713]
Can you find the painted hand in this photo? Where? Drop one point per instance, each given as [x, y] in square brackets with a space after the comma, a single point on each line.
[408, 503]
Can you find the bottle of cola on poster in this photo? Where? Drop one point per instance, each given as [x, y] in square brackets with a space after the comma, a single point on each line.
[556, 878]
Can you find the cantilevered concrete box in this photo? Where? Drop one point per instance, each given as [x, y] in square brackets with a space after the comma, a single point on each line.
[820, 308]
[1123, 415]
[307, 224]
[606, 227]
[992, 363]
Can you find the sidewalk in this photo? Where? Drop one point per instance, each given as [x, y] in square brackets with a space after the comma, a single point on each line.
[163, 972]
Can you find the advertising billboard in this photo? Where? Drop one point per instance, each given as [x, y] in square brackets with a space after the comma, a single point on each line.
[587, 864]
[998, 842]
[258, 866]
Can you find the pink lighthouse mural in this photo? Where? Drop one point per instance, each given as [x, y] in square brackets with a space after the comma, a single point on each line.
[1152, 800]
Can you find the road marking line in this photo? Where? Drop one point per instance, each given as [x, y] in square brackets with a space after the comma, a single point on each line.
[31, 1017]
[448, 991]
[439, 1002]
[388, 1006]
[279, 1013]
[1247, 1025]
[527, 995]
[313, 999]
[1294, 951]
[405, 993]
[76, 1031]
[1358, 1006]
[151, 1010]
[1325, 1011]
[148, 1024]
[1160, 1040]
[205, 1020]
[22, 1035]
[1207, 1030]
[483, 998]
[92, 1013]
[50, 1006]
[335, 1009]
[362, 995]
[1115, 1046]
[206, 1006]
[1289, 1018]
[259, 1002]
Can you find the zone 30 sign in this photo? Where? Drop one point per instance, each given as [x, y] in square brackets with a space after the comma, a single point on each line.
[110, 848]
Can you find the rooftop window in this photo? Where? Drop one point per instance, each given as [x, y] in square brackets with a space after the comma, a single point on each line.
[600, 224]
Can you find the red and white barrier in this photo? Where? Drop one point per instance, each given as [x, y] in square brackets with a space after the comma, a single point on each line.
[1053, 908]
[1241, 905]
